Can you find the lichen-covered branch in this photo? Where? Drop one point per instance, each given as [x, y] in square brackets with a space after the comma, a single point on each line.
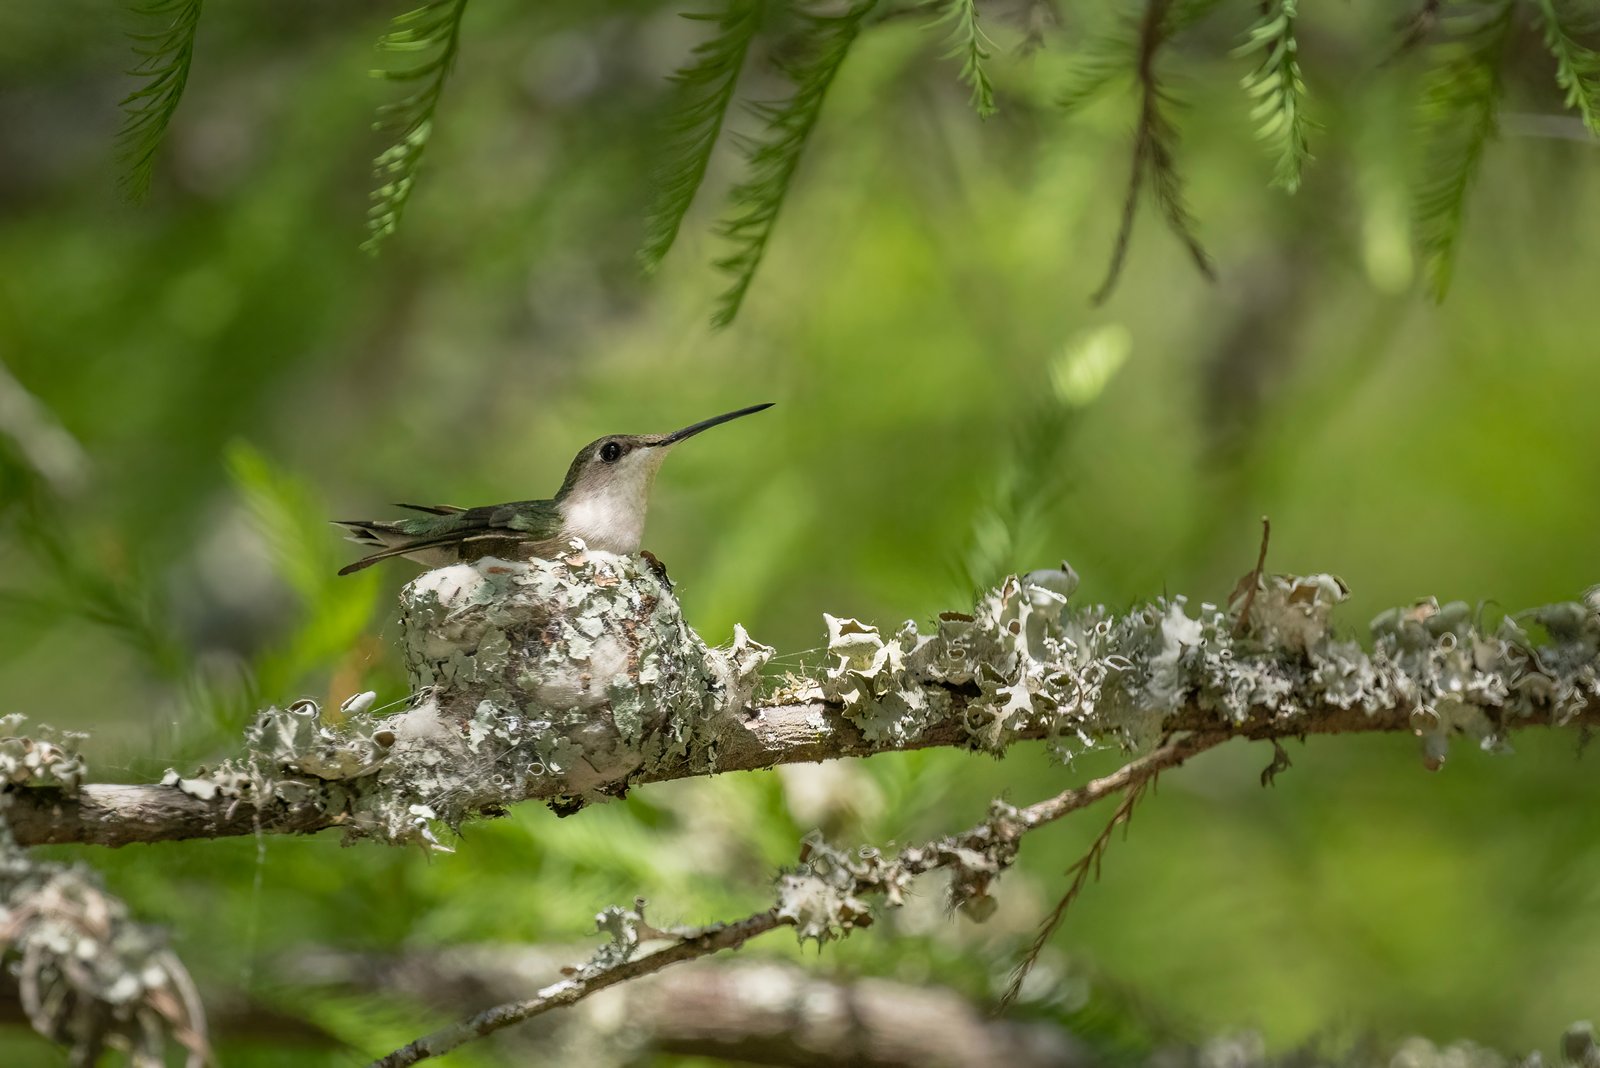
[88, 976]
[824, 899]
[750, 1011]
[575, 679]
[614, 964]
[571, 681]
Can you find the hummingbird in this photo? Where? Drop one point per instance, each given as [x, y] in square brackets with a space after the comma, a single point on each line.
[602, 501]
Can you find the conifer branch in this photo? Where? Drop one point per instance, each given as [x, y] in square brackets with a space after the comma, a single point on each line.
[1577, 66]
[1155, 141]
[1138, 776]
[1101, 64]
[1278, 91]
[705, 92]
[165, 59]
[972, 47]
[1415, 28]
[1457, 118]
[434, 29]
[773, 155]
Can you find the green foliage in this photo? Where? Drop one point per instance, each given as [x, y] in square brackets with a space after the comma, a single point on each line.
[290, 517]
[972, 46]
[1278, 90]
[705, 90]
[433, 30]
[1457, 117]
[74, 581]
[774, 153]
[165, 58]
[1105, 60]
[1006, 528]
[1577, 66]
[1010, 530]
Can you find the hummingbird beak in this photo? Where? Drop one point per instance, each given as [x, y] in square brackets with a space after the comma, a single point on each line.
[706, 424]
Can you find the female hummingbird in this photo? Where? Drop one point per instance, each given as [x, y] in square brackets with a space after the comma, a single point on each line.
[602, 500]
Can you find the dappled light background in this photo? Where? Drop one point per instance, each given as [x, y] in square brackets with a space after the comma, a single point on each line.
[233, 371]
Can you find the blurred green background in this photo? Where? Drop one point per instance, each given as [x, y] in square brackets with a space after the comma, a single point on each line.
[949, 408]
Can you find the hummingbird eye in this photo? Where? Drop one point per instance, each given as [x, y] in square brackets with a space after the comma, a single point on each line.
[611, 452]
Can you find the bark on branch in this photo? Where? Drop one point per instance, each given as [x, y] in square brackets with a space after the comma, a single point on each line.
[751, 1011]
[825, 899]
[574, 680]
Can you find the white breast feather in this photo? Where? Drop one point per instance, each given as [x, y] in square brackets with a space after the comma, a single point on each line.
[612, 518]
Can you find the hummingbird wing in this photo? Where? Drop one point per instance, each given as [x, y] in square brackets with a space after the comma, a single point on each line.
[519, 521]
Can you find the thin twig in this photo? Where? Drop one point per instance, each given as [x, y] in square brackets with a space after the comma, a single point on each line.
[1253, 579]
[944, 852]
[1152, 157]
[710, 940]
[1133, 779]
[1152, 32]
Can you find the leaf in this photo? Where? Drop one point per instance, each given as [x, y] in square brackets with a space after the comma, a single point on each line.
[1457, 117]
[165, 59]
[433, 30]
[972, 46]
[1577, 67]
[1278, 91]
[773, 155]
[705, 92]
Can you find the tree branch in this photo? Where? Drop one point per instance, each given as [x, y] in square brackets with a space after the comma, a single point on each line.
[823, 900]
[749, 1011]
[589, 981]
[573, 681]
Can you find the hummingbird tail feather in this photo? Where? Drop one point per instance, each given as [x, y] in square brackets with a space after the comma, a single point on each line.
[433, 509]
[365, 561]
[367, 531]
[403, 544]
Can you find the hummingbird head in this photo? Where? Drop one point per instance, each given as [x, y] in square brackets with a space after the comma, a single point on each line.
[607, 489]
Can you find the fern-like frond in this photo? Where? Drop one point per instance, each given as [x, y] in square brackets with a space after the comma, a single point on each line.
[972, 47]
[1278, 91]
[1457, 117]
[1577, 66]
[1416, 28]
[1154, 152]
[434, 31]
[164, 60]
[1104, 61]
[705, 92]
[773, 154]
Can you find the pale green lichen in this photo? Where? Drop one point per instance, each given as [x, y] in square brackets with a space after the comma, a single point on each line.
[296, 740]
[48, 758]
[829, 894]
[578, 671]
[825, 898]
[1023, 662]
[580, 667]
[569, 678]
[87, 974]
